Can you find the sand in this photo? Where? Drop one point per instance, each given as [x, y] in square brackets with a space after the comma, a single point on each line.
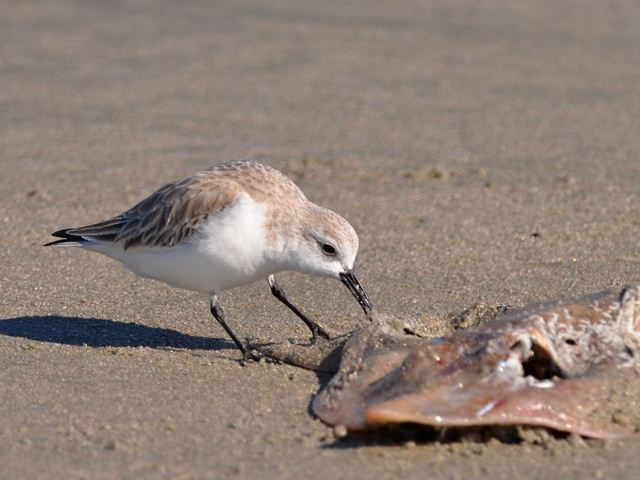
[485, 151]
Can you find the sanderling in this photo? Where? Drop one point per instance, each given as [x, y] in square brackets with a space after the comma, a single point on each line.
[223, 227]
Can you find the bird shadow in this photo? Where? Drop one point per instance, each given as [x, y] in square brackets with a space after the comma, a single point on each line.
[98, 332]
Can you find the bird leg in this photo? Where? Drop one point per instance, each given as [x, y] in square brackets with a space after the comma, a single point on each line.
[218, 314]
[313, 326]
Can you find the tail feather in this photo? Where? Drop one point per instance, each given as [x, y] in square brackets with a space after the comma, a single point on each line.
[68, 239]
[105, 231]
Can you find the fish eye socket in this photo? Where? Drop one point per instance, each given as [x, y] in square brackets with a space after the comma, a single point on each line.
[328, 249]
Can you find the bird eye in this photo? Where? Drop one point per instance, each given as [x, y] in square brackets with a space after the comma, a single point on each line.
[328, 249]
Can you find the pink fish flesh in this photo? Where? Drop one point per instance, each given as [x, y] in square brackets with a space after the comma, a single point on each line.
[570, 366]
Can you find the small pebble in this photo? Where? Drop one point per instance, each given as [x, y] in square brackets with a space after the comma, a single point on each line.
[576, 440]
[340, 431]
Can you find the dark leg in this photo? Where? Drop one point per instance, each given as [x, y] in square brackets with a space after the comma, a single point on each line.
[313, 326]
[218, 314]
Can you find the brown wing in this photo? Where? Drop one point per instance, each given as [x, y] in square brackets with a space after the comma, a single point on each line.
[169, 215]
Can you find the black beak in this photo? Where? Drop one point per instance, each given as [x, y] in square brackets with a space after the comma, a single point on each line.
[357, 290]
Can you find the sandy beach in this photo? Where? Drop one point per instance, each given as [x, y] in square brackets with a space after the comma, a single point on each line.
[484, 151]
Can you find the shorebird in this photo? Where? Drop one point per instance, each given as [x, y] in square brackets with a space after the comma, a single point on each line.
[227, 226]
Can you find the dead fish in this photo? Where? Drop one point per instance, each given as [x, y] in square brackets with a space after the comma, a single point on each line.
[570, 366]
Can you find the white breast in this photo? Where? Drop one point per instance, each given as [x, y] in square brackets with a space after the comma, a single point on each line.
[227, 251]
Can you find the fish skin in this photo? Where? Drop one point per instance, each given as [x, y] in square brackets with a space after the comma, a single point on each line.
[554, 365]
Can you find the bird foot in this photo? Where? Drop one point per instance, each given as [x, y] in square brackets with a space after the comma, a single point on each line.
[250, 355]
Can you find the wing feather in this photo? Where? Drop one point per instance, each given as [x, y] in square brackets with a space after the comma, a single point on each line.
[175, 211]
[167, 216]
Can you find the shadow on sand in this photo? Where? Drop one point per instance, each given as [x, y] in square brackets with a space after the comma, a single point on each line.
[96, 332]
